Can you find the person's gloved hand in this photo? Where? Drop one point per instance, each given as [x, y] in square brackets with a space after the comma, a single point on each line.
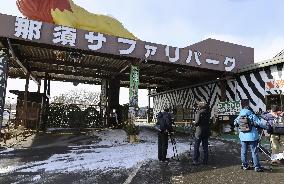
[269, 129]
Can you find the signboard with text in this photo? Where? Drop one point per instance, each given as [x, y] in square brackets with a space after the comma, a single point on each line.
[209, 54]
[229, 108]
[274, 85]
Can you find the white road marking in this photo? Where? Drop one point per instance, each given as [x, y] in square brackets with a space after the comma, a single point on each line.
[133, 174]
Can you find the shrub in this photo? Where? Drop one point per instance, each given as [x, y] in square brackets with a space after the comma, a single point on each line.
[130, 128]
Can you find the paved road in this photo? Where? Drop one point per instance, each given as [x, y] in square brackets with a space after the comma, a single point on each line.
[224, 167]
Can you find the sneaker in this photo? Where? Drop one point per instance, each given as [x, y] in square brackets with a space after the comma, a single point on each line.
[166, 160]
[244, 167]
[194, 162]
[258, 169]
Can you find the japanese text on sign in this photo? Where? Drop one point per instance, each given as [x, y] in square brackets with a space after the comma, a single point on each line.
[274, 85]
[30, 29]
[229, 108]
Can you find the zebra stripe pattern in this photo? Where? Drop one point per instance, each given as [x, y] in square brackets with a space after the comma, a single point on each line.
[186, 98]
[252, 85]
[249, 86]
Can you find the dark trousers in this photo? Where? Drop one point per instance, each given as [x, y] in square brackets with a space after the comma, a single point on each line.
[162, 145]
[196, 152]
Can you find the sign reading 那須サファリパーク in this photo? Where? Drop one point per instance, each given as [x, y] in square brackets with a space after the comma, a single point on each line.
[209, 54]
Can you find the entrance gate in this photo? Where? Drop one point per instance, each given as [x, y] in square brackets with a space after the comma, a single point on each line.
[42, 51]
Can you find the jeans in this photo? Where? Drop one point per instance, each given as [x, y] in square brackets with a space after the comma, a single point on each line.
[162, 145]
[254, 153]
[196, 152]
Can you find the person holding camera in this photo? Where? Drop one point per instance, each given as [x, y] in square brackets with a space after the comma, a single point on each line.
[247, 123]
[274, 119]
[164, 125]
[202, 132]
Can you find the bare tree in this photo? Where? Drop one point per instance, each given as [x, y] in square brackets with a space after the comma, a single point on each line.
[83, 97]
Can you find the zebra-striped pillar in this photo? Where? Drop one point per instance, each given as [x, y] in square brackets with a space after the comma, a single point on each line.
[3, 80]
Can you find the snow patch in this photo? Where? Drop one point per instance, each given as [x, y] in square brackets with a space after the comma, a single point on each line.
[113, 152]
[104, 159]
[278, 156]
[8, 169]
[7, 150]
[112, 137]
[37, 177]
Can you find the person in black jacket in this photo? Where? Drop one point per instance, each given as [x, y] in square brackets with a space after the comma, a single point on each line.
[202, 132]
[165, 127]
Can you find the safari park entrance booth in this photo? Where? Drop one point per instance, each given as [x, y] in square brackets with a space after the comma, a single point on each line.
[31, 49]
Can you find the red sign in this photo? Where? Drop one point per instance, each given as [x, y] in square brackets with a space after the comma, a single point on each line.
[274, 85]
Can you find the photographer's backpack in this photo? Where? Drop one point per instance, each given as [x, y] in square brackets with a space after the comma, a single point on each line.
[245, 124]
[278, 126]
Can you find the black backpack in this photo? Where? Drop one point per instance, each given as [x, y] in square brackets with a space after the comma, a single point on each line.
[165, 124]
[278, 126]
[245, 124]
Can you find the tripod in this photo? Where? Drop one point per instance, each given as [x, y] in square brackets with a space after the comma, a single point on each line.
[173, 141]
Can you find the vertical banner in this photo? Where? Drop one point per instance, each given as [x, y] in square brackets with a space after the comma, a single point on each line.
[3, 81]
[133, 89]
[133, 93]
[103, 100]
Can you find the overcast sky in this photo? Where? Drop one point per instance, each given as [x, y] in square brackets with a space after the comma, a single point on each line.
[253, 23]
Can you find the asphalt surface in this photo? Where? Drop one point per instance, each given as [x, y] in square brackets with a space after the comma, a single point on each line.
[223, 167]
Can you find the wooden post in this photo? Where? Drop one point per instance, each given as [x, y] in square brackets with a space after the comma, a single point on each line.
[45, 86]
[114, 87]
[113, 99]
[223, 90]
[26, 100]
[48, 90]
[149, 106]
[44, 105]
[4, 59]
[38, 86]
[103, 102]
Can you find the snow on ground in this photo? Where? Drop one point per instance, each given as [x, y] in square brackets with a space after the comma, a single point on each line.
[37, 177]
[7, 169]
[278, 156]
[7, 150]
[117, 154]
[112, 137]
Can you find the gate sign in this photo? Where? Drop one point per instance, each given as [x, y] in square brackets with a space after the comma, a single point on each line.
[229, 108]
[209, 53]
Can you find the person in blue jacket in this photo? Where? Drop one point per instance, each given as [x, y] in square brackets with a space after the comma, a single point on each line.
[250, 138]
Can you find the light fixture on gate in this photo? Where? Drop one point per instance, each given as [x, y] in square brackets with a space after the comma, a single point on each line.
[180, 70]
[76, 57]
[59, 55]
